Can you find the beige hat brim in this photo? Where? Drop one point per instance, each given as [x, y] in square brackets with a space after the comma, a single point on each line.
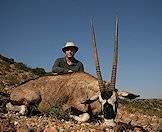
[64, 48]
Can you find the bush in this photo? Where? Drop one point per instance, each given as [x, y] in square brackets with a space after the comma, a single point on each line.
[11, 61]
[57, 112]
[39, 71]
[22, 66]
[6, 65]
[13, 80]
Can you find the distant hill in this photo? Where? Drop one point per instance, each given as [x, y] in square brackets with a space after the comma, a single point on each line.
[15, 73]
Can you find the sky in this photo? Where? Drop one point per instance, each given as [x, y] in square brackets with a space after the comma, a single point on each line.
[34, 32]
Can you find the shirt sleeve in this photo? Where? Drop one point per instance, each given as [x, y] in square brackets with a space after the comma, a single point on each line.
[57, 69]
[81, 67]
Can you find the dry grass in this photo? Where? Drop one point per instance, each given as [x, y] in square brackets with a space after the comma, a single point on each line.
[151, 107]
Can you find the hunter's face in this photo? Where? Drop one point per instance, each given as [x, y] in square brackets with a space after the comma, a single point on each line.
[70, 52]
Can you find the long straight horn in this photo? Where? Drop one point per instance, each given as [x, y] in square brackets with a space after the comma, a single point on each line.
[115, 57]
[96, 58]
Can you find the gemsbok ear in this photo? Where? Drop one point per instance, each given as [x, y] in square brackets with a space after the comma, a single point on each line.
[127, 95]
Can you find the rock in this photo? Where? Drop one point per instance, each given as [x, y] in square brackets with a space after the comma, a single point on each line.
[1, 85]
[22, 129]
[50, 129]
[16, 123]
[6, 125]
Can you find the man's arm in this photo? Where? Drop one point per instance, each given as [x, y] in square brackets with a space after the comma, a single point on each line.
[57, 69]
[81, 67]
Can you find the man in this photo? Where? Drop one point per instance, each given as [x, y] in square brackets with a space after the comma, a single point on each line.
[68, 63]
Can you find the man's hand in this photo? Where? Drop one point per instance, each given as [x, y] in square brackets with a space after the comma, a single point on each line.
[70, 71]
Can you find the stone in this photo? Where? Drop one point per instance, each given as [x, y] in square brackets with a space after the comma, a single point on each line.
[50, 129]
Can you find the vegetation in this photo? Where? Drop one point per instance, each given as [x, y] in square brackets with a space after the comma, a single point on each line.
[151, 107]
[13, 80]
[38, 71]
[57, 112]
[22, 66]
[15, 73]
[10, 61]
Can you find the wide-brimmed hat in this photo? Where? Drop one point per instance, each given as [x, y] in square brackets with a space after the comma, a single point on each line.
[69, 44]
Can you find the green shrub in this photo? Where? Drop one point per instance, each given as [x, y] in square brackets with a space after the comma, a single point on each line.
[7, 66]
[25, 77]
[11, 61]
[57, 112]
[22, 66]
[38, 71]
[13, 80]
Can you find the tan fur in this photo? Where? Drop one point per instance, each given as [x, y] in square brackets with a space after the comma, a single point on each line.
[69, 90]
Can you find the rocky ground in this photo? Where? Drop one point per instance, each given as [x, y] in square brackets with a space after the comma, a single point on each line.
[136, 121]
[131, 120]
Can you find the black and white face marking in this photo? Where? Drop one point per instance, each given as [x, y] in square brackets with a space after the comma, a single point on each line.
[105, 94]
[108, 101]
[108, 111]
